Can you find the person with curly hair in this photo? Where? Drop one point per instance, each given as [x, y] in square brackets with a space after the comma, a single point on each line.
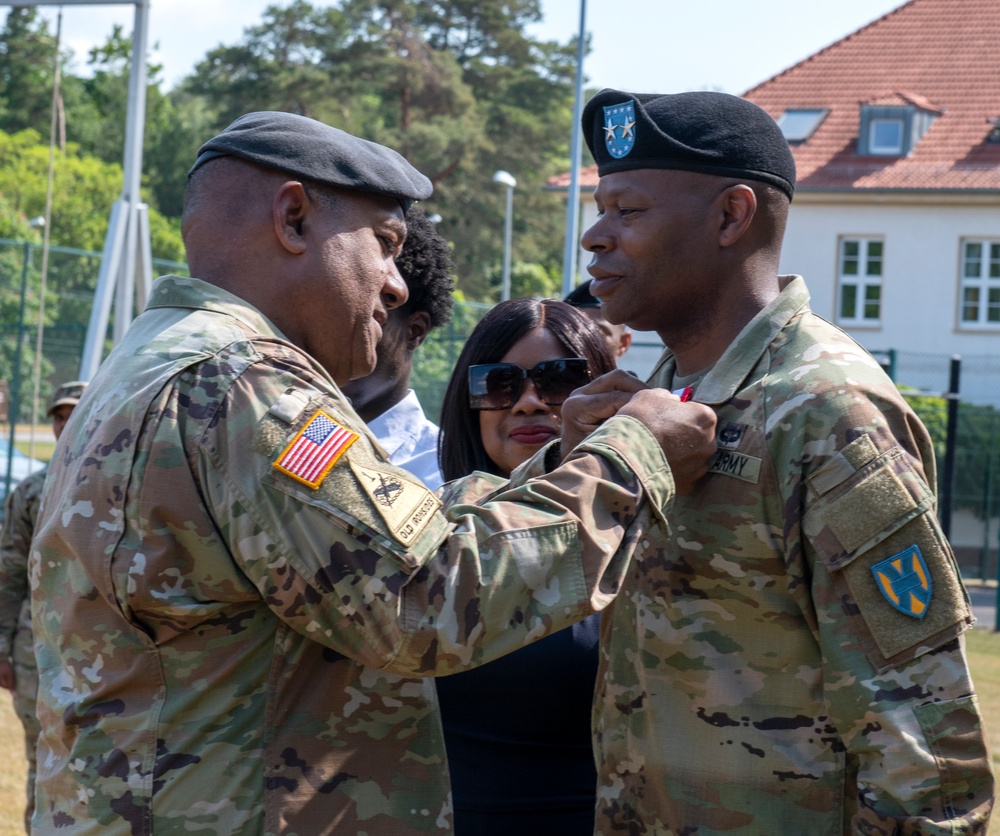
[384, 399]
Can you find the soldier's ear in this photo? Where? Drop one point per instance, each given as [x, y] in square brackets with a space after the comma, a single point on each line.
[738, 205]
[290, 212]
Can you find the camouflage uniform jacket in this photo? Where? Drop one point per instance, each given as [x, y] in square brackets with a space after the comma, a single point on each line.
[15, 539]
[226, 614]
[787, 660]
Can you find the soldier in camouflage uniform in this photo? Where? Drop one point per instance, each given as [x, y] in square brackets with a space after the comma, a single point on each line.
[786, 656]
[232, 587]
[18, 672]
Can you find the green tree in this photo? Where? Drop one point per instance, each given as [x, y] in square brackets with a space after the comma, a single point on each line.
[84, 189]
[458, 87]
[434, 360]
[281, 64]
[99, 122]
[26, 71]
[17, 262]
[527, 279]
[94, 106]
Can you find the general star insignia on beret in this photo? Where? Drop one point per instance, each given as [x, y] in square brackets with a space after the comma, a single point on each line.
[905, 581]
[309, 456]
[619, 116]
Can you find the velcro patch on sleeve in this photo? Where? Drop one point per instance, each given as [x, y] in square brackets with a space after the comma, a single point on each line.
[908, 591]
[407, 507]
[871, 519]
[315, 449]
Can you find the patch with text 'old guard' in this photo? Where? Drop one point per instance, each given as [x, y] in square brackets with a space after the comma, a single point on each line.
[905, 581]
[405, 506]
[737, 465]
[315, 450]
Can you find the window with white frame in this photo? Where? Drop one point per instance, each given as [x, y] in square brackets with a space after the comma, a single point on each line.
[859, 285]
[885, 136]
[980, 287]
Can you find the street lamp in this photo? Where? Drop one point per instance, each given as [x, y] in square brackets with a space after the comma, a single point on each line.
[507, 179]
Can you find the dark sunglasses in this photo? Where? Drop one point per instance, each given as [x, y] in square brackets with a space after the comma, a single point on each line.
[499, 385]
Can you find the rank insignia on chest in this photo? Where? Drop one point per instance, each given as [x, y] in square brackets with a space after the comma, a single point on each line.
[905, 581]
[316, 448]
[730, 435]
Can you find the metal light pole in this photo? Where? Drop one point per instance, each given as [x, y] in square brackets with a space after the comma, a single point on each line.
[507, 179]
[572, 242]
[127, 243]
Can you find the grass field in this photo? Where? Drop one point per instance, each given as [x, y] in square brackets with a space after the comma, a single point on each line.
[984, 657]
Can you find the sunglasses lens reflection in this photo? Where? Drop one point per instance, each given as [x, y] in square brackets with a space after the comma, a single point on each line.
[499, 385]
[555, 380]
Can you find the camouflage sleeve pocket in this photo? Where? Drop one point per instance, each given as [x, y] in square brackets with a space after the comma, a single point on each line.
[953, 731]
[871, 520]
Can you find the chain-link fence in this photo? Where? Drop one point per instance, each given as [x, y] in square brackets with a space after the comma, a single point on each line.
[973, 493]
[70, 281]
[958, 399]
[63, 306]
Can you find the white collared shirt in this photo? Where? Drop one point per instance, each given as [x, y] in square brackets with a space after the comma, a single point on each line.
[410, 439]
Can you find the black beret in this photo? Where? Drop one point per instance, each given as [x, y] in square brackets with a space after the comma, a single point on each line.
[711, 133]
[581, 297]
[305, 148]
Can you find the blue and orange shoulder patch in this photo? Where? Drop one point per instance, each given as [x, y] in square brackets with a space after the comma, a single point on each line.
[905, 581]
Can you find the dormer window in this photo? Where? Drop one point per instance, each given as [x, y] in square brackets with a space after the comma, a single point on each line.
[885, 136]
[993, 137]
[798, 125]
[893, 126]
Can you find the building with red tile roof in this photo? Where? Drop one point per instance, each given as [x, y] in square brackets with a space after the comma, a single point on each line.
[938, 57]
[895, 223]
[896, 219]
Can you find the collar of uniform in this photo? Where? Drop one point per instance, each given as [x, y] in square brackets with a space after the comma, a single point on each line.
[732, 368]
[185, 292]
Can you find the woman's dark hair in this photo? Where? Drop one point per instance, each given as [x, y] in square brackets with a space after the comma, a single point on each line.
[460, 449]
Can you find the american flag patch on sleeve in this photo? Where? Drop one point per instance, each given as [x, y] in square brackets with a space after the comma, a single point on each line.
[315, 450]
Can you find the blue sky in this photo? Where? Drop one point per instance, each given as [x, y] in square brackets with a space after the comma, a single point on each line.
[659, 46]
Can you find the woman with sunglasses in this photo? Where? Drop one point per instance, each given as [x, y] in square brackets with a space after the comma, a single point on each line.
[517, 730]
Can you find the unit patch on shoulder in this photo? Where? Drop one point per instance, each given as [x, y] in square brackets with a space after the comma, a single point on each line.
[309, 456]
[406, 506]
[905, 581]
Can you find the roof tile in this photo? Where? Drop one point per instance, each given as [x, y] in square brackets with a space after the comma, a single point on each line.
[940, 55]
